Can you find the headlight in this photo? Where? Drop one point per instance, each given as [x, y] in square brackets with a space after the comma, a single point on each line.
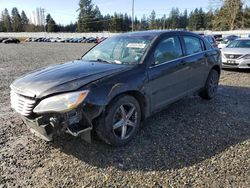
[246, 56]
[61, 103]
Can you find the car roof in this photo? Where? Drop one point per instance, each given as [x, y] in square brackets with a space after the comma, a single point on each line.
[242, 39]
[155, 33]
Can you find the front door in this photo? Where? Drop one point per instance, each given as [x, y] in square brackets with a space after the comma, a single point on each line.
[168, 73]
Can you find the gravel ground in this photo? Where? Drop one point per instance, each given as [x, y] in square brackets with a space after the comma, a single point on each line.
[193, 143]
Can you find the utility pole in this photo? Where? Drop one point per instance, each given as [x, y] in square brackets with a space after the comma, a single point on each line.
[133, 13]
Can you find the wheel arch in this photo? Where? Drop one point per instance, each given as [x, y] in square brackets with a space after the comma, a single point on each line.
[217, 68]
[143, 102]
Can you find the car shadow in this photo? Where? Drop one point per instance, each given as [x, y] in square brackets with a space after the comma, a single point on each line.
[186, 133]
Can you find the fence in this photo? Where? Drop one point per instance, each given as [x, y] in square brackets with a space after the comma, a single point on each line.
[61, 35]
[242, 33]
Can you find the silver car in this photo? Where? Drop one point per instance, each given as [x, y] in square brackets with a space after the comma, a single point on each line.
[237, 54]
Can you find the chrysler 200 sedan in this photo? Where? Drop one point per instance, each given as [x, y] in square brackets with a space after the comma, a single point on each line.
[116, 85]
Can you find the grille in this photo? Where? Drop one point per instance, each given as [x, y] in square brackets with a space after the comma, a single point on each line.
[233, 56]
[23, 105]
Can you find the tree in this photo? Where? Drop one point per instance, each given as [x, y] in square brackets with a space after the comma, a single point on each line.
[246, 17]
[24, 21]
[184, 20]
[16, 20]
[209, 20]
[197, 20]
[51, 26]
[152, 20]
[98, 26]
[174, 18]
[1, 24]
[87, 16]
[6, 21]
[116, 23]
[229, 16]
[144, 23]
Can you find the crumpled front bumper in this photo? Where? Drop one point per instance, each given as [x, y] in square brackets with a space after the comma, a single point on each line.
[77, 122]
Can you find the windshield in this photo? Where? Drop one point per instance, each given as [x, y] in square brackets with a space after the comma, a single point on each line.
[239, 44]
[120, 50]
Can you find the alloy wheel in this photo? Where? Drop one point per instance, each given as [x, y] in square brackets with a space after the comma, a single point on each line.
[125, 121]
[213, 84]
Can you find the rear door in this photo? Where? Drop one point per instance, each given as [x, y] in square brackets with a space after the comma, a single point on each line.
[168, 73]
[196, 59]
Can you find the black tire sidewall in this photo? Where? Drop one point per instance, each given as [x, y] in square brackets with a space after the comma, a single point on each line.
[105, 129]
[206, 94]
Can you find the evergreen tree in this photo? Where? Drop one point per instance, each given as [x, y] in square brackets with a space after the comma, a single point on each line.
[50, 24]
[98, 19]
[7, 25]
[16, 20]
[174, 18]
[117, 23]
[152, 20]
[106, 22]
[87, 16]
[184, 20]
[209, 20]
[197, 20]
[24, 21]
[144, 23]
[126, 23]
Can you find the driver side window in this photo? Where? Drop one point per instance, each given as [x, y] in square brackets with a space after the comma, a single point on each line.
[167, 50]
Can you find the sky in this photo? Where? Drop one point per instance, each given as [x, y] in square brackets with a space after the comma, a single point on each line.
[64, 11]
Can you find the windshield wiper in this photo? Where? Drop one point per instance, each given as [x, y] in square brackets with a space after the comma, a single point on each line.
[106, 61]
[101, 60]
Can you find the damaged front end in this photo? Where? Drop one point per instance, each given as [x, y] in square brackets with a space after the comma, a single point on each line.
[76, 123]
[46, 120]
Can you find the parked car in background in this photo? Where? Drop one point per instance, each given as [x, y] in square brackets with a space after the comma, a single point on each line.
[237, 54]
[11, 40]
[99, 40]
[2, 39]
[117, 84]
[218, 38]
[54, 39]
[211, 40]
[225, 41]
[91, 40]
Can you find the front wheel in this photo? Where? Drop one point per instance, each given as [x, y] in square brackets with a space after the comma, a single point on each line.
[210, 89]
[120, 122]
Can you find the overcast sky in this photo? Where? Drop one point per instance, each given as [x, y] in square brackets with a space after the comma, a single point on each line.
[64, 11]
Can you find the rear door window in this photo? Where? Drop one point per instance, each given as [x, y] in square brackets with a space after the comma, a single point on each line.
[193, 45]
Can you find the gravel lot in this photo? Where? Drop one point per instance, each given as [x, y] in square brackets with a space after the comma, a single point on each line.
[193, 143]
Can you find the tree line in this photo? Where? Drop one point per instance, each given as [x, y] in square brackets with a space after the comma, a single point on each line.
[232, 14]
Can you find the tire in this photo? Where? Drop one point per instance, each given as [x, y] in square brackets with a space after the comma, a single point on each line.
[117, 126]
[210, 89]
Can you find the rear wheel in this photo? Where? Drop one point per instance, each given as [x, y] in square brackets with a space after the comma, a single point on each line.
[210, 89]
[120, 122]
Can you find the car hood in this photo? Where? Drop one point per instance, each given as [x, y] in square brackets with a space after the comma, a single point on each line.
[236, 51]
[64, 77]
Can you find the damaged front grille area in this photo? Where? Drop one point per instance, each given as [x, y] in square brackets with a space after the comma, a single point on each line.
[22, 104]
